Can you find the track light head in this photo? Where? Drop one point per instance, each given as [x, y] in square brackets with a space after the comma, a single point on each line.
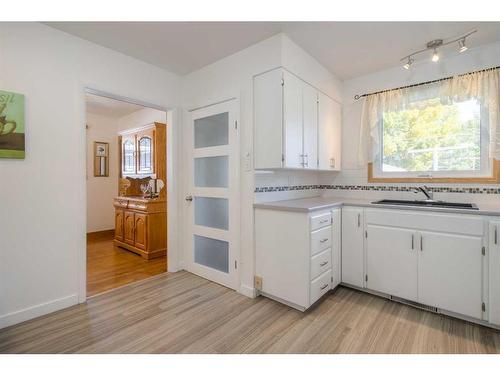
[435, 55]
[461, 45]
[408, 63]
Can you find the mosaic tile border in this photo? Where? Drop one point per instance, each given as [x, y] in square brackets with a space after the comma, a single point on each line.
[463, 190]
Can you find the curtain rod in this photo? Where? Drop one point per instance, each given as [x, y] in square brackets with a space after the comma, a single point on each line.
[356, 97]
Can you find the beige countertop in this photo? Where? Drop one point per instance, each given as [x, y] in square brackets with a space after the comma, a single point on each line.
[322, 203]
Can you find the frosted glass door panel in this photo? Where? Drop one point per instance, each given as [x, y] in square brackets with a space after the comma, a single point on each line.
[211, 253]
[211, 212]
[211, 172]
[211, 131]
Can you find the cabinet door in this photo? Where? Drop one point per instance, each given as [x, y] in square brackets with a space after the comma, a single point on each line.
[336, 246]
[391, 261]
[310, 122]
[141, 230]
[145, 152]
[128, 155]
[329, 133]
[450, 272]
[494, 272]
[292, 120]
[352, 246]
[119, 224]
[128, 227]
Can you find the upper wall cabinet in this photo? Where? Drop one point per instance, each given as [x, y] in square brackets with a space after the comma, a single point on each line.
[296, 125]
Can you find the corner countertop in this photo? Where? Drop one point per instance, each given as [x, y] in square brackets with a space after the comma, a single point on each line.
[323, 203]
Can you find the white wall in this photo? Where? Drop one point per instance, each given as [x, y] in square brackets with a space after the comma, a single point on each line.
[233, 76]
[101, 190]
[144, 116]
[42, 207]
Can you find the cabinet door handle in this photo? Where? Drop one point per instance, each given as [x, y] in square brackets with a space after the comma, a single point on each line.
[359, 220]
[324, 221]
[323, 240]
[412, 242]
[496, 235]
[324, 286]
[421, 243]
[323, 263]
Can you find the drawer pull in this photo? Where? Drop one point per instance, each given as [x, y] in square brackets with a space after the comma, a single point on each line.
[323, 240]
[323, 263]
[324, 221]
[324, 286]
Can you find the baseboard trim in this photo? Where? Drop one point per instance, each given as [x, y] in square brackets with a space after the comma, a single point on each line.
[20, 316]
[248, 291]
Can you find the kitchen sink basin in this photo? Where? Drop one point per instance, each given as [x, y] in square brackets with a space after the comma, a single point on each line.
[442, 204]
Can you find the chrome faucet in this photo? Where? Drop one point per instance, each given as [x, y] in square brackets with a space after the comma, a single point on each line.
[424, 189]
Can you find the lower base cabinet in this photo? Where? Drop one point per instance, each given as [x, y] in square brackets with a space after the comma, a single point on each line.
[297, 254]
[494, 271]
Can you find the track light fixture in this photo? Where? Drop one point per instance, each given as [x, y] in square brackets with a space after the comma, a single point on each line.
[435, 45]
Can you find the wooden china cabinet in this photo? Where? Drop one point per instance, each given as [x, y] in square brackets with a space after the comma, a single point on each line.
[141, 223]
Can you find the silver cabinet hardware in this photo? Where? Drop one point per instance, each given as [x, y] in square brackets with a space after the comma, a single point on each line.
[323, 263]
[421, 243]
[332, 162]
[412, 242]
[359, 220]
[323, 240]
[189, 198]
[324, 221]
[324, 286]
[496, 235]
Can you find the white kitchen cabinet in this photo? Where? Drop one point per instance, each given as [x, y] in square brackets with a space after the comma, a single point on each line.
[391, 261]
[293, 252]
[329, 133]
[295, 125]
[450, 272]
[336, 246]
[494, 271]
[352, 246]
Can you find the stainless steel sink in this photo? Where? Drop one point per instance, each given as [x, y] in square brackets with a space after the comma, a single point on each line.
[427, 203]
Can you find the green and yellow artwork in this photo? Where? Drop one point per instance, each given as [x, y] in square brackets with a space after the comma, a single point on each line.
[11, 125]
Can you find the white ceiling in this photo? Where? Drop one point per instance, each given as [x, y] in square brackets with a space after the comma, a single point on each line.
[347, 49]
[100, 105]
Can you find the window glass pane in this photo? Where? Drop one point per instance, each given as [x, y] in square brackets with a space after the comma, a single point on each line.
[430, 136]
[211, 131]
[211, 171]
[211, 253]
[128, 156]
[211, 212]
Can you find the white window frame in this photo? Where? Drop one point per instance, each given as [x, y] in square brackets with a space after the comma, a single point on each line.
[486, 162]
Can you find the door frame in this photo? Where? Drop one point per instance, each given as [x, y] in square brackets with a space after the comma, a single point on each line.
[235, 100]
[173, 187]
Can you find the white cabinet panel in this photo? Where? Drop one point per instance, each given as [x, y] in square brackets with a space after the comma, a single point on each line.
[310, 121]
[494, 272]
[320, 286]
[292, 112]
[450, 272]
[320, 263]
[329, 133]
[336, 246]
[352, 246]
[321, 240]
[320, 220]
[391, 261]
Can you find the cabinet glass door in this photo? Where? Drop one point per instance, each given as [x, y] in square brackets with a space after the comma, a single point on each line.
[145, 163]
[212, 200]
[128, 162]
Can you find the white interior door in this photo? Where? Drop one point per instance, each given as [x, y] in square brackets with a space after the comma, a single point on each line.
[212, 198]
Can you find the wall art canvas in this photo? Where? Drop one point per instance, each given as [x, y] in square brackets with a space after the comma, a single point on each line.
[11, 125]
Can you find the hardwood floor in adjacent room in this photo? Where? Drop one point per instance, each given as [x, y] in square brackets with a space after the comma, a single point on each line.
[109, 267]
[182, 313]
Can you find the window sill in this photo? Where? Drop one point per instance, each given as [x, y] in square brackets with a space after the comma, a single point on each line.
[494, 179]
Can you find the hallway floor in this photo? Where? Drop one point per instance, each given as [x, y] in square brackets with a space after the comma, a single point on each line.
[110, 267]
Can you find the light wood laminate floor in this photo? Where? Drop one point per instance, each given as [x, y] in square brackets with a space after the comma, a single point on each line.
[109, 267]
[183, 313]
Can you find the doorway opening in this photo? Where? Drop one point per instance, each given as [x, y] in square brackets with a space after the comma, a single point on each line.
[126, 192]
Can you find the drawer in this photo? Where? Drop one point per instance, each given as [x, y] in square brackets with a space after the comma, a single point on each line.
[320, 263]
[321, 240]
[320, 221]
[137, 206]
[320, 286]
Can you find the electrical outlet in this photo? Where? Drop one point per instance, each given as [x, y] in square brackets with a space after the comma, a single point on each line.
[257, 282]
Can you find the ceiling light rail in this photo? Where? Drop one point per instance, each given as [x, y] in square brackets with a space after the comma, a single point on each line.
[435, 45]
[356, 97]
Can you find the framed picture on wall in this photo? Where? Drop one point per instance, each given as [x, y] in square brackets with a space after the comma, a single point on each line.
[11, 125]
[101, 159]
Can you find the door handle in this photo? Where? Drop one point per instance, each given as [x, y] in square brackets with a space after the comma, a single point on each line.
[324, 286]
[496, 235]
[189, 198]
[359, 220]
[421, 243]
[412, 242]
[323, 263]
